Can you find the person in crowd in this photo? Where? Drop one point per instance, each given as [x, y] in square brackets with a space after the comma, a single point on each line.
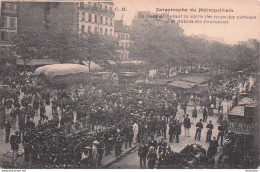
[212, 150]
[199, 127]
[187, 126]
[152, 143]
[221, 132]
[171, 130]
[95, 154]
[135, 131]
[164, 127]
[151, 157]
[177, 131]
[142, 153]
[8, 127]
[36, 105]
[194, 114]
[209, 131]
[15, 141]
[204, 114]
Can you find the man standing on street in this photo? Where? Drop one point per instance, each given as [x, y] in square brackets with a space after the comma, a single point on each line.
[142, 152]
[194, 114]
[187, 125]
[199, 127]
[209, 132]
[177, 131]
[205, 114]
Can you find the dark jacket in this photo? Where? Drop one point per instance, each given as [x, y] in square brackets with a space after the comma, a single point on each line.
[143, 150]
[152, 143]
[199, 125]
[186, 123]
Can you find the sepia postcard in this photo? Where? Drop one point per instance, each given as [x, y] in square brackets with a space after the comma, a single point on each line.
[129, 84]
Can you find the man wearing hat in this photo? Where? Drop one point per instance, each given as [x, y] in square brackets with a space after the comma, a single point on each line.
[199, 127]
[209, 132]
[187, 125]
[142, 153]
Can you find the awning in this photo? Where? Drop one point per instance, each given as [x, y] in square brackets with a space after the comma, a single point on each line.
[248, 102]
[127, 74]
[237, 111]
[37, 62]
[93, 65]
[195, 79]
[182, 84]
[126, 62]
[112, 62]
[137, 62]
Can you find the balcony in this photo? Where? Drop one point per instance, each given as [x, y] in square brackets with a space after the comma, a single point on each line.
[96, 9]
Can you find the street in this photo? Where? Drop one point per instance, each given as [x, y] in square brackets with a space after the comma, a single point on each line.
[131, 160]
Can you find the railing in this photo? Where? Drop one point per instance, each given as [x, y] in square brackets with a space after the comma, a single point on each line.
[95, 8]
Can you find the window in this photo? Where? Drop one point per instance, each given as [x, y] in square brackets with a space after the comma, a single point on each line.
[101, 19]
[4, 50]
[95, 4]
[89, 29]
[82, 29]
[110, 32]
[105, 31]
[12, 22]
[101, 31]
[5, 20]
[96, 30]
[101, 6]
[83, 16]
[106, 21]
[81, 4]
[89, 17]
[11, 35]
[4, 36]
[89, 3]
[111, 21]
[126, 45]
[126, 36]
[95, 18]
[122, 36]
[106, 8]
[110, 8]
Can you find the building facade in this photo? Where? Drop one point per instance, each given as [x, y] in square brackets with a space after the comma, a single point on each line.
[122, 35]
[8, 27]
[96, 17]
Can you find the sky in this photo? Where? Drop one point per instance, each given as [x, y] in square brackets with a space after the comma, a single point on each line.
[236, 30]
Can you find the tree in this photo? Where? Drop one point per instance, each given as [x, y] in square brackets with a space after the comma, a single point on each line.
[154, 41]
[98, 47]
[28, 45]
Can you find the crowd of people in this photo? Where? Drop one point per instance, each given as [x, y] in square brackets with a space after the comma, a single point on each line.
[118, 116]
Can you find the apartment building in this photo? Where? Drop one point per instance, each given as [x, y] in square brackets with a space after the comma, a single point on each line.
[96, 17]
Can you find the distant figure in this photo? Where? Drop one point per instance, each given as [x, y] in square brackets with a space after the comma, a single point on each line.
[15, 141]
[199, 127]
[8, 127]
[135, 131]
[187, 125]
